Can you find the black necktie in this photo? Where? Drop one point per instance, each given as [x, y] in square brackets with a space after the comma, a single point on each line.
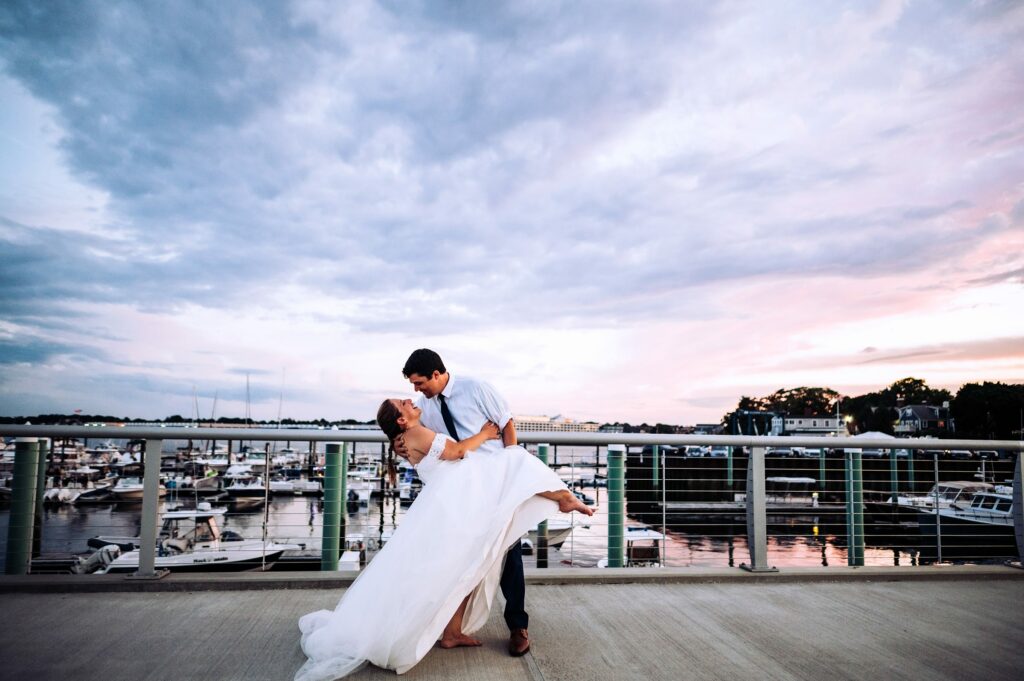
[449, 422]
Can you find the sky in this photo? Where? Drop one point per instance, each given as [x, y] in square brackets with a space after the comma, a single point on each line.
[612, 211]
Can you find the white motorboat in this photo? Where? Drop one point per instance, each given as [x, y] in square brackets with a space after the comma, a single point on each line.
[131, 489]
[903, 509]
[559, 530]
[981, 527]
[252, 487]
[361, 488]
[282, 485]
[81, 483]
[191, 541]
[239, 471]
[216, 462]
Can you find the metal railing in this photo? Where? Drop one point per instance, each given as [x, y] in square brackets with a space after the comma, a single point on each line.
[660, 483]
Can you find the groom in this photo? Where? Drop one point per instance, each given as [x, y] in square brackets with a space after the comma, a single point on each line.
[460, 407]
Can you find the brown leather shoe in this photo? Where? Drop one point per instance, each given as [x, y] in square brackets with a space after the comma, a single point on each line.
[519, 643]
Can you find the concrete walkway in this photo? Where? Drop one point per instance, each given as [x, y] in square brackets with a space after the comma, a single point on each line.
[920, 623]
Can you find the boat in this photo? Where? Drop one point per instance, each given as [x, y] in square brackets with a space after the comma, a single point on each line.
[251, 487]
[131, 489]
[215, 461]
[559, 530]
[981, 528]
[239, 471]
[191, 541]
[902, 509]
[362, 489]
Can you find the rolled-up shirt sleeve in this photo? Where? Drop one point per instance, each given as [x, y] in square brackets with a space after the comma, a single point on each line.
[494, 405]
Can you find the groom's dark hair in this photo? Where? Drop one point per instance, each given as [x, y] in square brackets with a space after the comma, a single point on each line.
[423, 362]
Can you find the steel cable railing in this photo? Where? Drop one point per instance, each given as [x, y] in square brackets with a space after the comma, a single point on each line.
[684, 501]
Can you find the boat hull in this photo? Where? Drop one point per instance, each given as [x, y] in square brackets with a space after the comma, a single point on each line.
[965, 537]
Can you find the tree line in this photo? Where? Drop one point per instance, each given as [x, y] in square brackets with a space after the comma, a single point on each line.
[989, 410]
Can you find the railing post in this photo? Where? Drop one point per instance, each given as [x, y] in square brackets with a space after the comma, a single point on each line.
[938, 515]
[541, 549]
[655, 455]
[150, 501]
[335, 463]
[37, 523]
[23, 506]
[854, 509]
[729, 472]
[1018, 507]
[616, 515]
[757, 525]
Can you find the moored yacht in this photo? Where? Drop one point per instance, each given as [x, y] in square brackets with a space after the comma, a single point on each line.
[191, 541]
[981, 527]
[131, 489]
[903, 509]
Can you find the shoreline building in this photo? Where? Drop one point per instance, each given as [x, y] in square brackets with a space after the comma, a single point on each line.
[558, 424]
[814, 425]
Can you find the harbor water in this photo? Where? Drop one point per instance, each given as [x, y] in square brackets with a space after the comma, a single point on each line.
[800, 539]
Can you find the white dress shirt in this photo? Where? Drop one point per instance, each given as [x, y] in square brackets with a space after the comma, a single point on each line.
[472, 403]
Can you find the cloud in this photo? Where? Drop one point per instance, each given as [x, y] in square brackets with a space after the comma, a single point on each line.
[424, 169]
[976, 350]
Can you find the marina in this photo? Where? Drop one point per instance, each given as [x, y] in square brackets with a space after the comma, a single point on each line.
[697, 519]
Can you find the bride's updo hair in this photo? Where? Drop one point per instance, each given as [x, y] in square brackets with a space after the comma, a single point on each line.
[387, 419]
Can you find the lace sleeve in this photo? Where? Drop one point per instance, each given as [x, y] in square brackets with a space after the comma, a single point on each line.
[437, 446]
[431, 461]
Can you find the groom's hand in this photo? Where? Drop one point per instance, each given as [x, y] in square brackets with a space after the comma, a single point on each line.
[399, 444]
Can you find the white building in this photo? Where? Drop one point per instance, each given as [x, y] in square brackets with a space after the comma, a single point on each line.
[558, 424]
[814, 425]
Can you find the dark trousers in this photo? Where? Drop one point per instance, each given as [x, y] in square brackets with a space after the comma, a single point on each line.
[513, 588]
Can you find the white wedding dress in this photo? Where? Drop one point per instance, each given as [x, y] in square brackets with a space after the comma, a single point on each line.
[451, 542]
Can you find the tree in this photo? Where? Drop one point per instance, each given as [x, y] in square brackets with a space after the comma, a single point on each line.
[915, 391]
[989, 410]
[876, 411]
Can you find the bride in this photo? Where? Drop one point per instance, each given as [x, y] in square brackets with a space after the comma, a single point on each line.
[437, 575]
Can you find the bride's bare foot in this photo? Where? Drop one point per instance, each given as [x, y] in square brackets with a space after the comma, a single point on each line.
[457, 641]
[570, 503]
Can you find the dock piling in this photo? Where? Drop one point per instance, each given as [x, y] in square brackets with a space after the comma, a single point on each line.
[23, 506]
[335, 465]
[37, 524]
[616, 505]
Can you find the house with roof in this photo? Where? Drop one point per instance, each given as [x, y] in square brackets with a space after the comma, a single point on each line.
[915, 419]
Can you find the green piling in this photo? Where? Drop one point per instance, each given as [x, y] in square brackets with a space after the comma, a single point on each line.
[335, 470]
[894, 475]
[616, 505]
[23, 506]
[911, 476]
[541, 548]
[37, 523]
[655, 455]
[821, 470]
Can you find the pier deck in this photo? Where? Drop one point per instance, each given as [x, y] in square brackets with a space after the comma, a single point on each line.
[836, 623]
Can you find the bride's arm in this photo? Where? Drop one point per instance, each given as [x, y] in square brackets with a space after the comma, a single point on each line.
[457, 450]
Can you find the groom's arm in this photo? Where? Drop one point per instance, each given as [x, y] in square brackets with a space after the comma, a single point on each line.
[496, 409]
